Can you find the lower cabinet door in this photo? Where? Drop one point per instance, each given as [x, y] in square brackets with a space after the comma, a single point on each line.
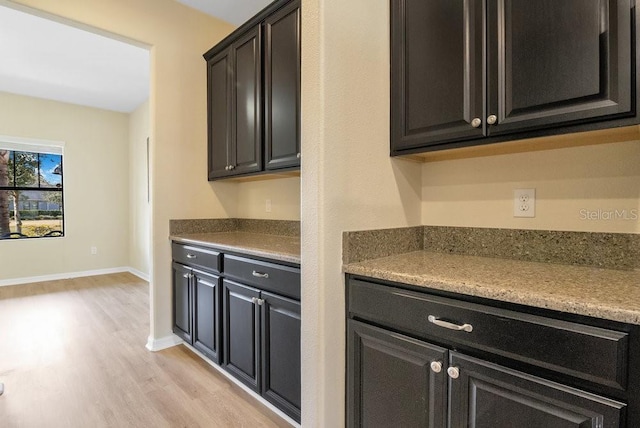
[281, 353]
[390, 382]
[206, 315]
[485, 395]
[182, 301]
[241, 332]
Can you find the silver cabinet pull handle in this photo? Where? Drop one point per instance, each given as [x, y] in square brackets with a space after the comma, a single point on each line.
[476, 122]
[191, 256]
[186, 275]
[254, 300]
[492, 119]
[436, 366]
[451, 326]
[260, 274]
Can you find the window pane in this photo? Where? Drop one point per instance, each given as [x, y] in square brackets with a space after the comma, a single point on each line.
[50, 170]
[6, 168]
[39, 213]
[26, 167]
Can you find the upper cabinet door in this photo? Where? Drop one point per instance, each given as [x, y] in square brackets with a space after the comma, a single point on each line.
[282, 88]
[246, 153]
[556, 62]
[219, 100]
[436, 72]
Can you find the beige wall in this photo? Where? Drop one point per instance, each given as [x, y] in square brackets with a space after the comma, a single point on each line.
[284, 194]
[178, 37]
[96, 175]
[139, 207]
[575, 189]
[348, 179]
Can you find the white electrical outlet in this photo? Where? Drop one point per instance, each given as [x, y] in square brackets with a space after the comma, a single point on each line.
[267, 205]
[94, 251]
[524, 203]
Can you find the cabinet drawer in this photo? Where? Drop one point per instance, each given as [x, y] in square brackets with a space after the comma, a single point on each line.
[204, 258]
[267, 276]
[590, 353]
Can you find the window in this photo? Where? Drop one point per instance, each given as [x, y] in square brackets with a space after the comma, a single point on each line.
[31, 190]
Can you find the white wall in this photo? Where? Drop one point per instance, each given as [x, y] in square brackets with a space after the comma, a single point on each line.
[284, 194]
[178, 37]
[569, 182]
[139, 207]
[348, 179]
[96, 176]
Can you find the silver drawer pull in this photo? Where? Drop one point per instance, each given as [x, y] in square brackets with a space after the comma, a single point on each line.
[191, 256]
[451, 326]
[260, 274]
[186, 275]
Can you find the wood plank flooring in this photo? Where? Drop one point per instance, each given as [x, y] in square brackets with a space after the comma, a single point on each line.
[72, 355]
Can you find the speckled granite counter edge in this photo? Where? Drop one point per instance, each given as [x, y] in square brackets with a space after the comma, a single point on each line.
[273, 255]
[266, 227]
[603, 250]
[501, 294]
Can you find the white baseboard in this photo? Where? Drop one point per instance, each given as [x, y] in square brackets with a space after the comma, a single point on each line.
[140, 274]
[161, 343]
[69, 275]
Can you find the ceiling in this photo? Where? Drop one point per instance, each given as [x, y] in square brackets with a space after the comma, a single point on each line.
[233, 11]
[48, 59]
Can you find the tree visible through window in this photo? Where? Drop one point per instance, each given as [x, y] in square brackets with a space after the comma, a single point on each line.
[31, 194]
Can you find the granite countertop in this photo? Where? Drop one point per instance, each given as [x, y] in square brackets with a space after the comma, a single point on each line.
[276, 247]
[601, 293]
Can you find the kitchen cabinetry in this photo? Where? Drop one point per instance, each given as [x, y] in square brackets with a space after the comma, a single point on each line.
[482, 71]
[196, 302]
[254, 116]
[243, 314]
[262, 329]
[235, 88]
[282, 88]
[443, 361]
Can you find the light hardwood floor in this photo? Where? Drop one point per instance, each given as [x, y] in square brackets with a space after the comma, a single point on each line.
[72, 355]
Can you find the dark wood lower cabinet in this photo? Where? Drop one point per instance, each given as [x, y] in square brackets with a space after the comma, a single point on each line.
[420, 359]
[281, 352]
[262, 344]
[206, 315]
[486, 395]
[239, 318]
[197, 309]
[241, 331]
[182, 292]
[390, 381]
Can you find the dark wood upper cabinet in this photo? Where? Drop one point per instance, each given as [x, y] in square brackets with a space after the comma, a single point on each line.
[282, 87]
[482, 71]
[553, 62]
[254, 95]
[436, 75]
[246, 130]
[219, 119]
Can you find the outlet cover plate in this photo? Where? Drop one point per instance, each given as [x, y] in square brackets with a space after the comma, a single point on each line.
[524, 203]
